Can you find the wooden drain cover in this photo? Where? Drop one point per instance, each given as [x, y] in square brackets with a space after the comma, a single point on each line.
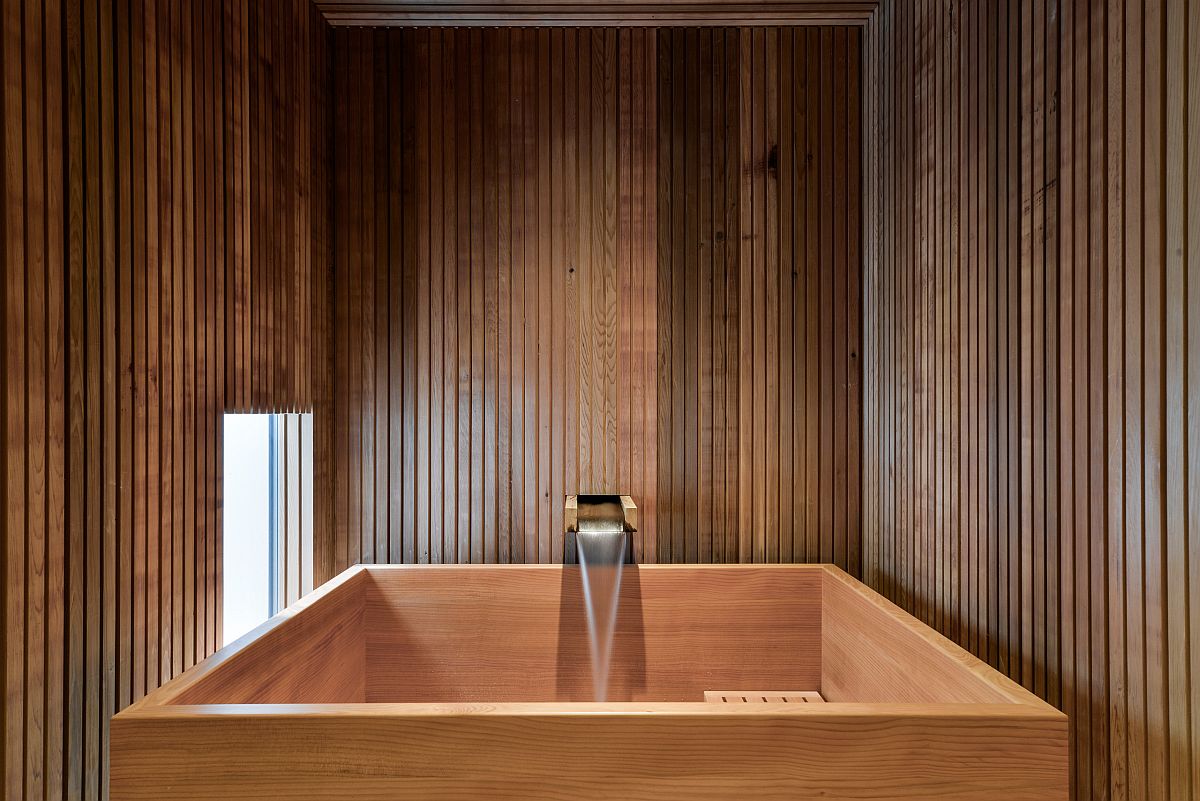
[761, 697]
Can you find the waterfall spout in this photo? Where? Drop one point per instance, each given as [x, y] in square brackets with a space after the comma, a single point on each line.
[601, 531]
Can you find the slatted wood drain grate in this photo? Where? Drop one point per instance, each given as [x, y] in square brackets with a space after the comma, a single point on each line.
[760, 697]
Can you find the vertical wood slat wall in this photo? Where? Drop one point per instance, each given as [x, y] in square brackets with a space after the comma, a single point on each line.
[292, 439]
[758, 267]
[35, 391]
[276, 113]
[1031, 485]
[506, 332]
[126, 140]
[493, 330]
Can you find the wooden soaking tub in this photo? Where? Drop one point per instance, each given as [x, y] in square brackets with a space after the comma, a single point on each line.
[464, 682]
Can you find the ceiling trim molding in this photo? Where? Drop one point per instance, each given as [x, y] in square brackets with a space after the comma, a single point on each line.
[611, 13]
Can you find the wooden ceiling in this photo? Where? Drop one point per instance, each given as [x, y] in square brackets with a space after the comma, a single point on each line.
[622, 13]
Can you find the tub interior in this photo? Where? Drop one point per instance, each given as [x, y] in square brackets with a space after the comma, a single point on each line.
[465, 635]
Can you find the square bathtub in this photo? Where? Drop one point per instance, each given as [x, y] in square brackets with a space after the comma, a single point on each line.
[474, 682]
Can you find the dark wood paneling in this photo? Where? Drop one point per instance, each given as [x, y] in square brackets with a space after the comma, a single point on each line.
[34, 380]
[758, 269]
[126, 139]
[566, 260]
[148, 318]
[277, 222]
[571, 13]
[1029, 483]
[493, 333]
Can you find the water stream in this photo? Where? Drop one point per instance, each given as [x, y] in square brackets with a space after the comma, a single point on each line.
[601, 556]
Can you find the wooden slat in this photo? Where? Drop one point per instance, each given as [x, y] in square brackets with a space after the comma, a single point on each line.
[1044, 159]
[523, 240]
[762, 697]
[125, 328]
[84, 776]
[270, 163]
[755, 468]
[1192, 394]
[1055, 412]
[603, 373]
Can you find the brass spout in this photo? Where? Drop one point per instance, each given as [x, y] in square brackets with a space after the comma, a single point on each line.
[587, 515]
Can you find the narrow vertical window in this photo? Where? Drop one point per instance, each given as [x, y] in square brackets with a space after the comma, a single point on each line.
[267, 515]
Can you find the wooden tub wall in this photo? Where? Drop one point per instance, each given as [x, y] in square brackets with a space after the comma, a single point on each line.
[983, 739]
[873, 652]
[519, 633]
[514, 634]
[311, 653]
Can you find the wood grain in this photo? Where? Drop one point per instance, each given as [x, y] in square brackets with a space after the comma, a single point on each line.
[732, 428]
[126, 333]
[527, 638]
[628, 274]
[954, 746]
[783, 754]
[908, 664]
[87, 404]
[275, 205]
[1028, 482]
[1027, 419]
[541, 310]
[325, 647]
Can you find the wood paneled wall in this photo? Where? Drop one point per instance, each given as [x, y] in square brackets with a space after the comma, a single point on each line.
[758, 269]
[33, 375]
[126, 143]
[493, 335]
[276, 111]
[1033, 424]
[530, 231]
[112, 372]
[292, 440]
